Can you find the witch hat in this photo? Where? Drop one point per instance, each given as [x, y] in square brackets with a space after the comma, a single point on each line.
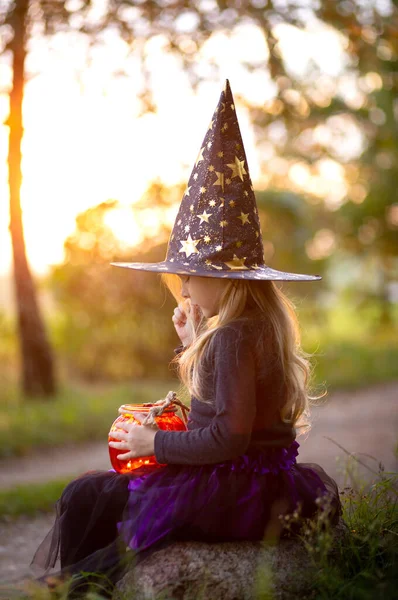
[217, 230]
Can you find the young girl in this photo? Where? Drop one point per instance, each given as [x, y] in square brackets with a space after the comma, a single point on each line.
[233, 473]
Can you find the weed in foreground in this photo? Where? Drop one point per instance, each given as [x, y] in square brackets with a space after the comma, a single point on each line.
[362, 562]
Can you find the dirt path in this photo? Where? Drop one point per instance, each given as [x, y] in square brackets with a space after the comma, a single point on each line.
[18, 542]
[364, 422]
[56, 463]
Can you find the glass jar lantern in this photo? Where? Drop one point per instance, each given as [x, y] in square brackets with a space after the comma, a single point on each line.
[136, 413]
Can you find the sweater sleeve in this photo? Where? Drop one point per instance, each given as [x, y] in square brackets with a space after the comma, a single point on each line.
[228, 434]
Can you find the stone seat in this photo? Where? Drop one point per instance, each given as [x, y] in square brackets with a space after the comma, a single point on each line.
[224, 571]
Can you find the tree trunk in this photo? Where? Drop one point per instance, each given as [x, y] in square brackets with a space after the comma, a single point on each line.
[36, 355]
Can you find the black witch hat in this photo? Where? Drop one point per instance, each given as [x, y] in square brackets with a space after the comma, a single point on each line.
[217, 230]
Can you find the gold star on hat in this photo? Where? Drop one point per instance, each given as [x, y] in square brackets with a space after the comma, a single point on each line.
[189, 246]
[236, 264]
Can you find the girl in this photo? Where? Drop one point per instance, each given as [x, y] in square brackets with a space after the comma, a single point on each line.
[233, 474]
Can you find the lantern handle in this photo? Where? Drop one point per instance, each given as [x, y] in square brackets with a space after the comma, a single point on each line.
[160, 406]
[170, 400]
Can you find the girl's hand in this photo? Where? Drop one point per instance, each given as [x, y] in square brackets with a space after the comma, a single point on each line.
[135, 440]
[186, 319]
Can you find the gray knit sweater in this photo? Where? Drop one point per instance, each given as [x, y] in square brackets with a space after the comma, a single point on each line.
[245, 395]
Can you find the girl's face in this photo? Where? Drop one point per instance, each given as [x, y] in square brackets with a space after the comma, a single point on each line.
[203, 291]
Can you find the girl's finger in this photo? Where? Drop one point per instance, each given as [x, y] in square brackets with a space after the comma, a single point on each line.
[177, 320]
[126, 456]
[118, 435]
[118, 445]
[180, 316]
[178, 323]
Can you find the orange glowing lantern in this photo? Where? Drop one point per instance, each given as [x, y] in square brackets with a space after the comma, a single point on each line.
[163, 413]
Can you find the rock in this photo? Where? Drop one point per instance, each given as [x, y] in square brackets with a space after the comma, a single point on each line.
[225, 571]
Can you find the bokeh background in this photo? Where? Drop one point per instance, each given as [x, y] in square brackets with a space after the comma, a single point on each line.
[115, 98]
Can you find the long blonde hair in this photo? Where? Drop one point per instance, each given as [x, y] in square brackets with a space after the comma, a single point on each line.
[278, 312]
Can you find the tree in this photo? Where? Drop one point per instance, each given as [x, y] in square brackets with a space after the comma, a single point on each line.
[37, 360]
[17, 18]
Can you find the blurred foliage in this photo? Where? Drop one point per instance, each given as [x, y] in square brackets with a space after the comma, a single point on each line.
[348, 364]
[288, 223]
[111, 323]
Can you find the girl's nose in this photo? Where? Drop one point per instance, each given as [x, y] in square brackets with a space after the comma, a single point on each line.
[184, 291]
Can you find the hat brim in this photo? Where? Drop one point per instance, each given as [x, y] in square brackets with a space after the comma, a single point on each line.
[259, 272]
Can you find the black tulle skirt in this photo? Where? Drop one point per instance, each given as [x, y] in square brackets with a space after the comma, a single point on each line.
[105, 520]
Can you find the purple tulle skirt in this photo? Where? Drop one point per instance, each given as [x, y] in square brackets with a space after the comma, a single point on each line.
[234, 500]
[100, 515]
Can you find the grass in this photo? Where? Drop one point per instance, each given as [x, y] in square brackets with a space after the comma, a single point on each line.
[77, 415]
[364, 564]
[29, 499]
